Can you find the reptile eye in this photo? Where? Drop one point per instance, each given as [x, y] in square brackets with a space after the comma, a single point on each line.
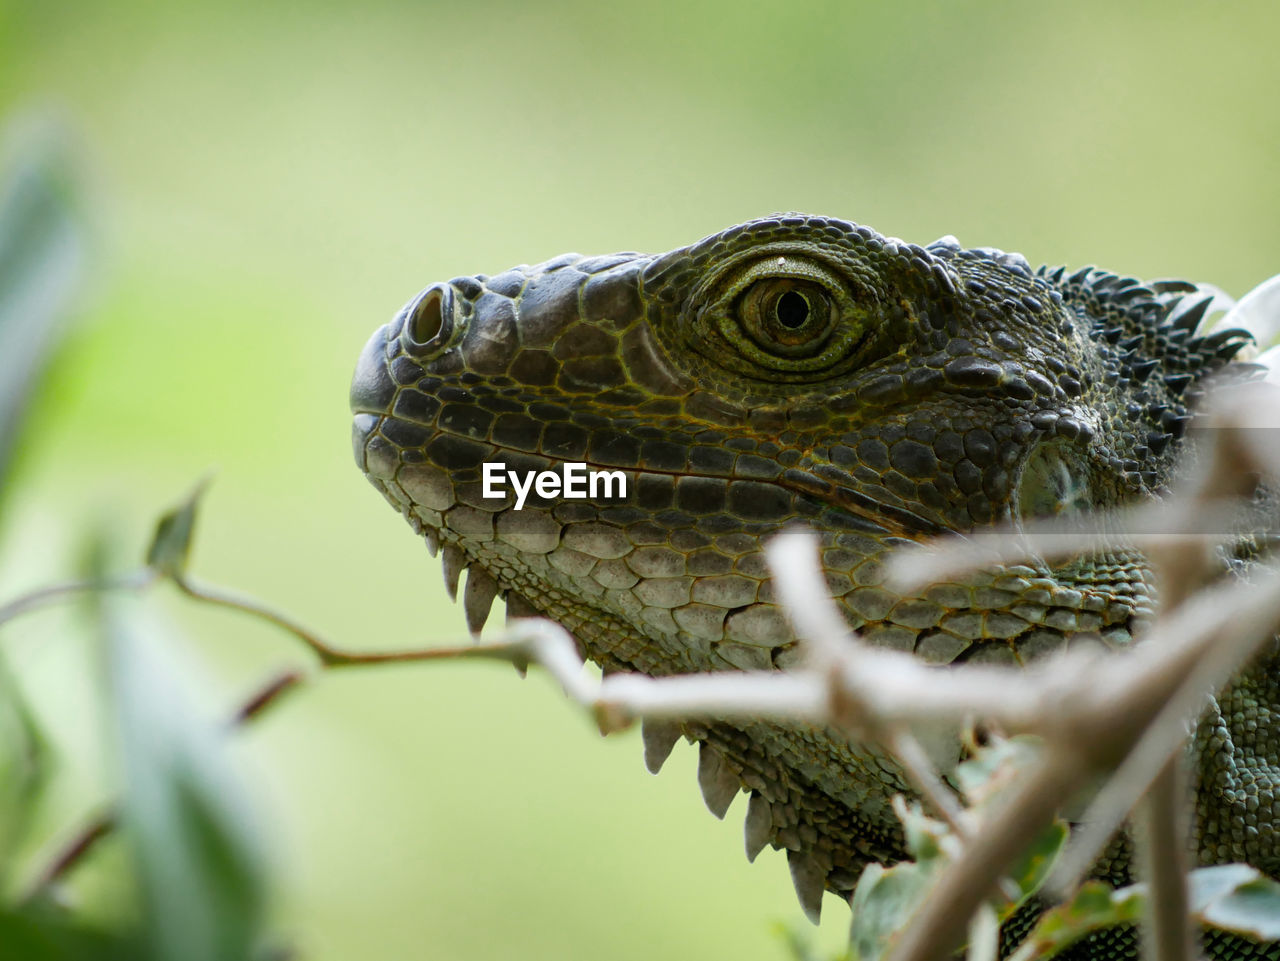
[792, 309]
[786, 315]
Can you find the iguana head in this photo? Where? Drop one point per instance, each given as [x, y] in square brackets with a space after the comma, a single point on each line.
[794, 369]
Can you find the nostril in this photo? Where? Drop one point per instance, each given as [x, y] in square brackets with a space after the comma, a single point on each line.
[426, 317]
[430, 321]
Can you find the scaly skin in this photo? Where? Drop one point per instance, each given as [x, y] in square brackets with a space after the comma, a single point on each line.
[803, 369]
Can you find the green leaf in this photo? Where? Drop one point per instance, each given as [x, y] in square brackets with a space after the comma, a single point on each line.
[44, 932]
[1236, 897]
[198, 862]
[885, 899]
[927, 838]
[1231, 897]
[799, 944]
[1095, 906]
[170, 547]
[23, 770]
[1207, 884]
[1030, 871]
[883, 902]
[996, 767]
[42, 257]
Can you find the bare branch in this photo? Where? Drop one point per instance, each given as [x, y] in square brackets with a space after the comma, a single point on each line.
[1218, 650]
[55, 593]
[266, 697]
[73, 852]
[252, 606]
[1162, 839]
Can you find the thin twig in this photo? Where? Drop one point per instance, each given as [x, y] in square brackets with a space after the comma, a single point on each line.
[1162, 840]
[1150, 528]
[73, 852]
[984, 935]
[924, 777]
[1218, 649]
[46, 596]
[268, 696]
[519, 644]
[249, 605]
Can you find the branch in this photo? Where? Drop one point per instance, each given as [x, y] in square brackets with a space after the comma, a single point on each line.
[1162, 842]
[55, 593]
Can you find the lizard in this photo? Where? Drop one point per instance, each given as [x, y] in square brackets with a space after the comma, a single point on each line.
[805, 369]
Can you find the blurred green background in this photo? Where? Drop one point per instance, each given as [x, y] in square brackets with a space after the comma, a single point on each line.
[268, 183]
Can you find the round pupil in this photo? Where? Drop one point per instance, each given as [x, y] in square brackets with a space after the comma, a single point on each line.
[792, 310]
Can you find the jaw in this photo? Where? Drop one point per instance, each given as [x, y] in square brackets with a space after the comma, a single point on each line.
[812, 792]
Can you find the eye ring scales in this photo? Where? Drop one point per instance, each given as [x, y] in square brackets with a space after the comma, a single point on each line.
[787, 315]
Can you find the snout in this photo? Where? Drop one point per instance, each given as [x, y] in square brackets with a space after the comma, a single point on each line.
[372, 388]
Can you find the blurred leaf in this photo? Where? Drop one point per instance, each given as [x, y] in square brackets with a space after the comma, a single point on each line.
[996, 766]
[1231, 897]
[1258, 312]
[1094, 906]
[883, 902]
[799, 944]
[1237, 897]
[45, 932]
[1030, 870]
[927, 838]
[42, 256]
[198, 863]
[171, 544]
[1208, 884]
[886, 899]
[23, 769]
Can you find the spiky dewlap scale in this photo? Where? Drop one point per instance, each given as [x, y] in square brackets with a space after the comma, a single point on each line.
[794, 369]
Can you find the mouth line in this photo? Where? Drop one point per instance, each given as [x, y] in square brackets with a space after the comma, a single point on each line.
[490, 578]
[886, 519]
